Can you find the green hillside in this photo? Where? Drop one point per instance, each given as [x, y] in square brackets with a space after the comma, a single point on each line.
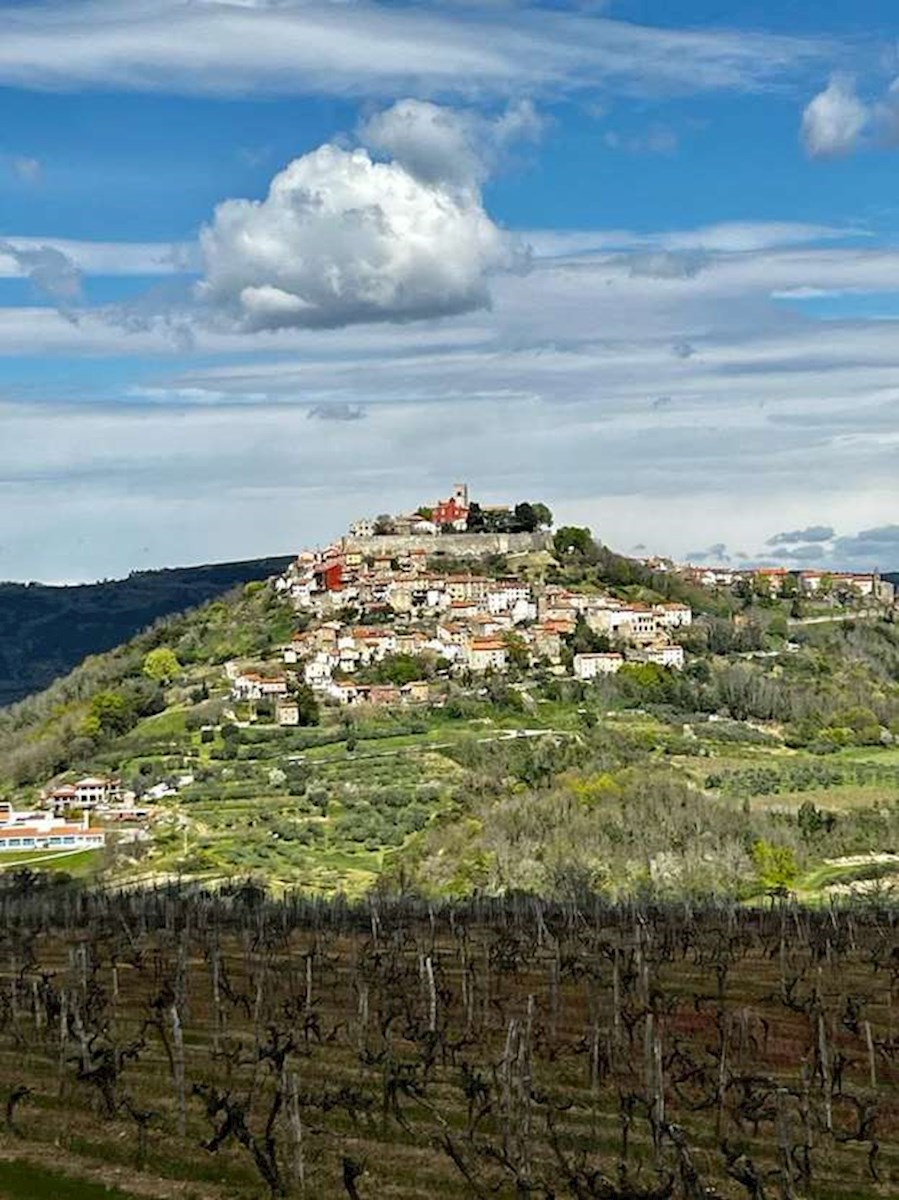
[770, 762]
[46, 631]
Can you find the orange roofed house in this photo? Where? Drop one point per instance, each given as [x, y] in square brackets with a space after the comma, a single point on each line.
[485, 654]
[453, 513]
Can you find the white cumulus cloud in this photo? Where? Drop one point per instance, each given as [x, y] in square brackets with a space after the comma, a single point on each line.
[446, 145]
[834, 121]
[342, 238]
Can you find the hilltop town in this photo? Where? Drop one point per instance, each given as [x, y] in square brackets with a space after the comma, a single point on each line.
[232, 738]
[463, 589]
[460, 589]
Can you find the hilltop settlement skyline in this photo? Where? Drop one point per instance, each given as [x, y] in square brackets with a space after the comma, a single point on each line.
[814, 551]
[415, 612]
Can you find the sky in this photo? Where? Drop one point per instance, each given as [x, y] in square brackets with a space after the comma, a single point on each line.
[267, 266]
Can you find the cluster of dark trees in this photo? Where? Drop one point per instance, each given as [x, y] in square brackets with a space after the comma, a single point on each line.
[45, 631]
[523, 518]
[80, 715]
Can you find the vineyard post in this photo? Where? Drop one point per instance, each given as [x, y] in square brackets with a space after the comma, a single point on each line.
[37, 1006]
[362, 1014]
[783, 1144]
[215, 967]
[432, 995]
[295, 1124]
[722, 1075]
[63, 1038]
[805, 1112]
[616, 1001]
[824, 1064]
[179, 1075]
[872, 1065]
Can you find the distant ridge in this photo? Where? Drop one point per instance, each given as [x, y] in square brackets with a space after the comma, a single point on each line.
[47, 630]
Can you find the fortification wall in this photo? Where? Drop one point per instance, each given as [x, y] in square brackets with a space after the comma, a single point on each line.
[456, 545]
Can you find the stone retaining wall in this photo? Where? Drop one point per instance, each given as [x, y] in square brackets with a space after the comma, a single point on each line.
[456, 545]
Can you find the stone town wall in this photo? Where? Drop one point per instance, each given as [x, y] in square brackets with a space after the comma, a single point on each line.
[455, 545]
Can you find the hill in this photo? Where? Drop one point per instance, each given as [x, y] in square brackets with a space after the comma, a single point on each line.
[45, 631]
[768, 761]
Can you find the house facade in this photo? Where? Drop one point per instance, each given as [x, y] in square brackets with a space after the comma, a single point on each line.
[590, 666]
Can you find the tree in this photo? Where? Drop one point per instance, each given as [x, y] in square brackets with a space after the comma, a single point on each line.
[544, 516]
[572, 542]
[775, 865]
[111, 712]
[384, 525]
[230, 741]
[812, 820]
[476, 520]
[525, 518]
[789, 587]
[398, 669]
[307, 704]
[517, 650]
[161, 665]
[583, 640]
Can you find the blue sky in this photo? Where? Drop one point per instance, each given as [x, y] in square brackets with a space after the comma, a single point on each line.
[638, 259]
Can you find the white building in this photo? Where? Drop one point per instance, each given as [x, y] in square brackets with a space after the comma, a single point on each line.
[86, 793]
[589, 666]
[251, 686]
[363, 528]
[32, 831]
[485, 654]
[673, 616]
[288, 712]
[670, 655]
[318, 670]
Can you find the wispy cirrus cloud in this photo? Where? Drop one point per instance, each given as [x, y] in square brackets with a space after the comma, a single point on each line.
[308, 46]
[565, 370]
[336, 412]
[101, 258]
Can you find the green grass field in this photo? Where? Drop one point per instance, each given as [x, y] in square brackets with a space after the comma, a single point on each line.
[75, 862]
[27, 1181]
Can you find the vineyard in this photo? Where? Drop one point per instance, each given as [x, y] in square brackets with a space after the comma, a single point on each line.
[176, 1042]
